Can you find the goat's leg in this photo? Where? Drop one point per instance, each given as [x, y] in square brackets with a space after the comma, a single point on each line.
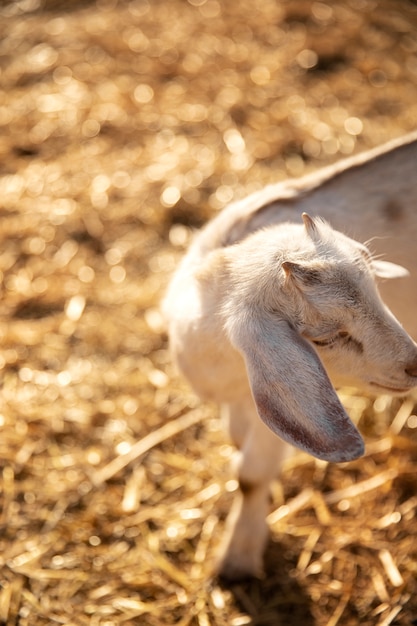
[260, 459]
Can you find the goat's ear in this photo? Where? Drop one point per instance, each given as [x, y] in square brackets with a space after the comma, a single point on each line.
[385, 269]
[292, 392]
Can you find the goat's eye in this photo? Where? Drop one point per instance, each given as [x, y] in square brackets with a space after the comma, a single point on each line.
[328, 341]
[325, 342]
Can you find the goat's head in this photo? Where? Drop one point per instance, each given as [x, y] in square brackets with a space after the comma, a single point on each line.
[310, 312]
[341, 313]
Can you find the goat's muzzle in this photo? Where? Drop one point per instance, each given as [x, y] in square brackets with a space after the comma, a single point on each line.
[411, 370]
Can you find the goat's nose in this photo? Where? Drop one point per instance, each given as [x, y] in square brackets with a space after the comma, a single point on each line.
[411, 369]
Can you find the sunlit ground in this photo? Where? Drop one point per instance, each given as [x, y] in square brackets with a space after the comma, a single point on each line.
[124, 126]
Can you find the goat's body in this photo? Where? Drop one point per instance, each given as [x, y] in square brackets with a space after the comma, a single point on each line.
[234, 270]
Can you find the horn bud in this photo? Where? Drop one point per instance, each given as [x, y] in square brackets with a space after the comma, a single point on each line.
[310, 224]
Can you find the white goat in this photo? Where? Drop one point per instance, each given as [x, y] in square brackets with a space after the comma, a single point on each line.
[265, 311]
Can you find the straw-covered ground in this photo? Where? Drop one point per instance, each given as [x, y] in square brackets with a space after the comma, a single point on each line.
[125, 125]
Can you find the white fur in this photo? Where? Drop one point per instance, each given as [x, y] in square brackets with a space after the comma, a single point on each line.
[267, 315]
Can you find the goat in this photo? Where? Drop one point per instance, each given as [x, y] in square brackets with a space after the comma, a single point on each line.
[267, 315]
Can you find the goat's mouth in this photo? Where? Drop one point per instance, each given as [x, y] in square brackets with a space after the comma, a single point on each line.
[391, 389]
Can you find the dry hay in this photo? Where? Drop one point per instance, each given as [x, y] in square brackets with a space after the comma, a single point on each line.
[124, 124]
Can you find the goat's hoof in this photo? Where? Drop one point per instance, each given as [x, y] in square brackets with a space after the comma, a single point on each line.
[233, 570]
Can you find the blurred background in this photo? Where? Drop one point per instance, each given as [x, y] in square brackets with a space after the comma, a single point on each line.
[125, 125]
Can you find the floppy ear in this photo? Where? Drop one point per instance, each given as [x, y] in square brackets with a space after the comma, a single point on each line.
[386, 269]
[292, 392]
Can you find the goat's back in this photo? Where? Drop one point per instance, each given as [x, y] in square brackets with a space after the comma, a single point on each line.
[371, 197]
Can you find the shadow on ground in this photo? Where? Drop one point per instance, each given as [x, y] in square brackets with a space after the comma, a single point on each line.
[277, 599]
